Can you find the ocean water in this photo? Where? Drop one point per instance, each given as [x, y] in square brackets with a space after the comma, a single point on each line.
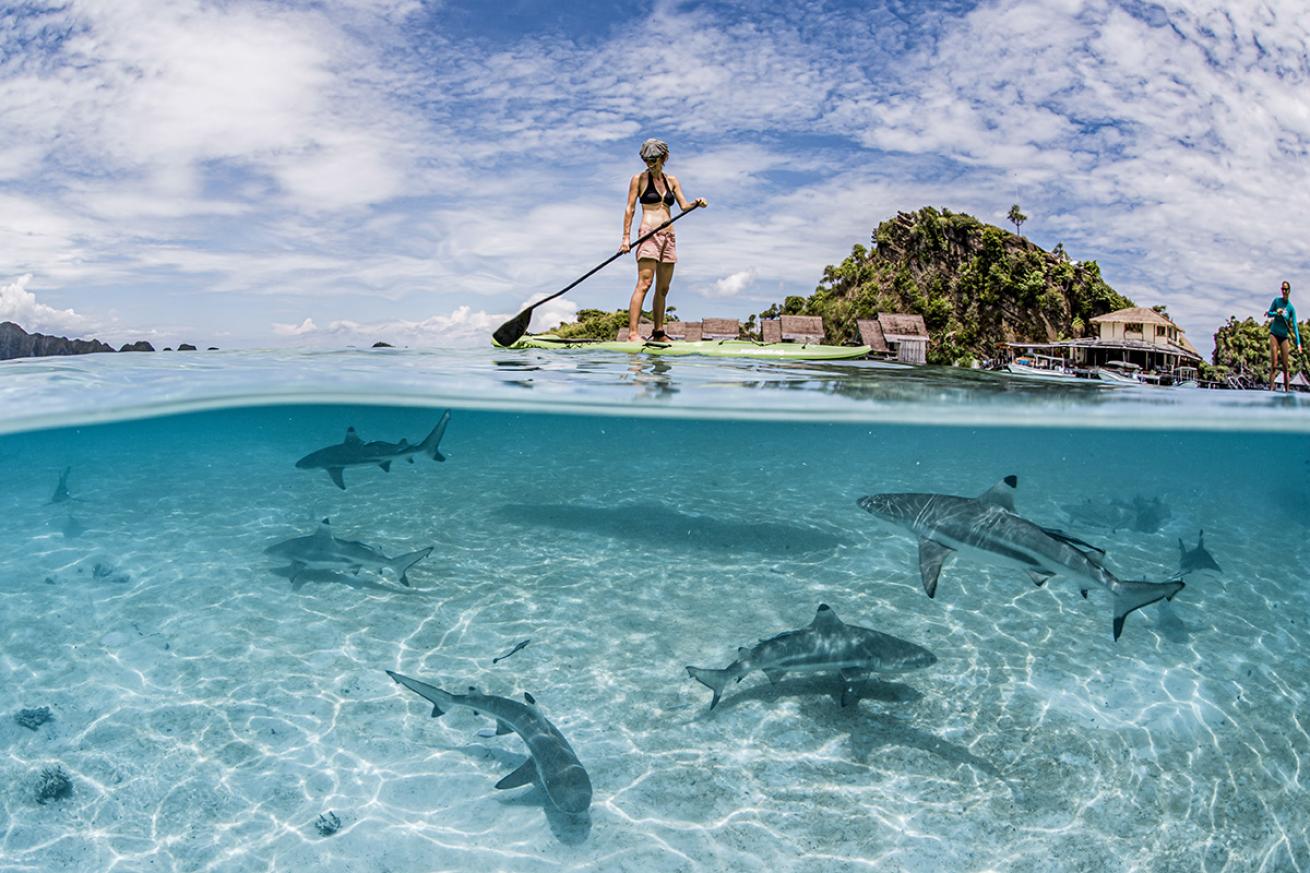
[630, 518]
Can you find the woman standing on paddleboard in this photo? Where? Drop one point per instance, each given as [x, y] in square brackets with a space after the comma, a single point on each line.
[1282, 330]
[657, 192]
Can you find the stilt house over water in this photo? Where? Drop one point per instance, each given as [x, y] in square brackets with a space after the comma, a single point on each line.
[1136, 336]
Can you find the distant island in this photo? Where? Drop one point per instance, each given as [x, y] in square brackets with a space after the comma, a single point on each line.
[18, 343]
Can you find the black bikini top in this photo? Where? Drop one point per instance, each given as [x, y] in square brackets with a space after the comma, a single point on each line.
[651, 195]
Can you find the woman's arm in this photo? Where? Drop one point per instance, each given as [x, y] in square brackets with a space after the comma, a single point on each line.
[682, 201]
[628, 213]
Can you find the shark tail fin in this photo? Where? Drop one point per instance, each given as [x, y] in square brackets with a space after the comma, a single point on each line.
[1130, 596]
[715, 680]
[440, 700]
[431, 444]
[404, 563]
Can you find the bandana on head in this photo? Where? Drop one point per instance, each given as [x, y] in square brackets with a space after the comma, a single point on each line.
[654, 148]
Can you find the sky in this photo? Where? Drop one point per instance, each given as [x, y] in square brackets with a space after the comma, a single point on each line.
[264, 174]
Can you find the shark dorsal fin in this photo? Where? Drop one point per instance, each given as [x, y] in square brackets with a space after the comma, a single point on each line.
[825, 617]
[324, 530]
[1002, 493]
[529, 698]
[352, 438]
[1200, 539]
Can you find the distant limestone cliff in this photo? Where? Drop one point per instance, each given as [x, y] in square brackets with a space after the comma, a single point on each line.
[18, 343]
[976, 286]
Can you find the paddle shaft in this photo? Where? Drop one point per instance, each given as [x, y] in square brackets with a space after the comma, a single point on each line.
[512, 323]
[612, 258]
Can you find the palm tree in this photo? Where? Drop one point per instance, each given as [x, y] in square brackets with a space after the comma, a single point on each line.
[1016, 217]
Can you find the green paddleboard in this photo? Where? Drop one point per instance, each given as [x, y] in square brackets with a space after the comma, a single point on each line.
[709, 348]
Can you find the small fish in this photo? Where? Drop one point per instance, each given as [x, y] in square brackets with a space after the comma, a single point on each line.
[518, 647]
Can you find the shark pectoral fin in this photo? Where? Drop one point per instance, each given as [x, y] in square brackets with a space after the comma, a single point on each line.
[1002, 493]
[386, 466]
[296, 582]
[1083, 592]
[522, 776]
[775, 676]
[1039, 577]
[337, 478]
[931, 555]
[502, 728]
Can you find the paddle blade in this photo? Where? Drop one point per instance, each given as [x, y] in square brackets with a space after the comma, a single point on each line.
[512, 331]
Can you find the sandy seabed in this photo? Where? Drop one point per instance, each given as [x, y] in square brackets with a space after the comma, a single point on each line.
[207, 714]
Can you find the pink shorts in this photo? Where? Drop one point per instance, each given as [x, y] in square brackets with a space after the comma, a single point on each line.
[662, 247]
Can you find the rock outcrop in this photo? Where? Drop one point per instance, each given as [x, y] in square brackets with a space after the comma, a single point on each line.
[18, 343]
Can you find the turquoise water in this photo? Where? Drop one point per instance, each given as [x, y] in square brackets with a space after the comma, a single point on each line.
[630, 518]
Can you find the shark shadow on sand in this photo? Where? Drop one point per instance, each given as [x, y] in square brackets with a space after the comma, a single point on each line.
[657, 526]
[871, 729]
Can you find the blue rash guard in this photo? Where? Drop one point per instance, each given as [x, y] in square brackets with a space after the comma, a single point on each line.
[1283, 314]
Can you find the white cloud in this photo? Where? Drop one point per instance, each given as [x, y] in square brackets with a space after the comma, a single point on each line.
[306, 326]
[731, 286]
[20, 306]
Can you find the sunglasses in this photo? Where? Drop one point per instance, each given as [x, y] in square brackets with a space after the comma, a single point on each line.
[653, 160]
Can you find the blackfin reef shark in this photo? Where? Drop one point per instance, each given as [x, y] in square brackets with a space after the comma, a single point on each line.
[62, 494]
[988, 526]
[323, 551]
[552, 761]
[1197, 561]
[826, 644]
[354, 452]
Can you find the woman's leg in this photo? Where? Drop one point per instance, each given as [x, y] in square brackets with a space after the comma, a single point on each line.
[645, 273]
[1273, 361]
[663, 279]
[1285, 347]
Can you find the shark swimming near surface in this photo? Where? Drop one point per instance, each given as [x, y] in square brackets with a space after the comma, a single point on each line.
[827, 644]
[354, 452]
[322, 551]
[988, 526]
[552, 761]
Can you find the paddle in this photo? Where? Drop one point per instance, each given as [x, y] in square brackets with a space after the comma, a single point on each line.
[511, 331]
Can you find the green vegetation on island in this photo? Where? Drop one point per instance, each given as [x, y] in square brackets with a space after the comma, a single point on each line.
[976, 286]
[602, 325]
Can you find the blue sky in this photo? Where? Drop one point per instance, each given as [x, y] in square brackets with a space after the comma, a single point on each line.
[263, 174]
